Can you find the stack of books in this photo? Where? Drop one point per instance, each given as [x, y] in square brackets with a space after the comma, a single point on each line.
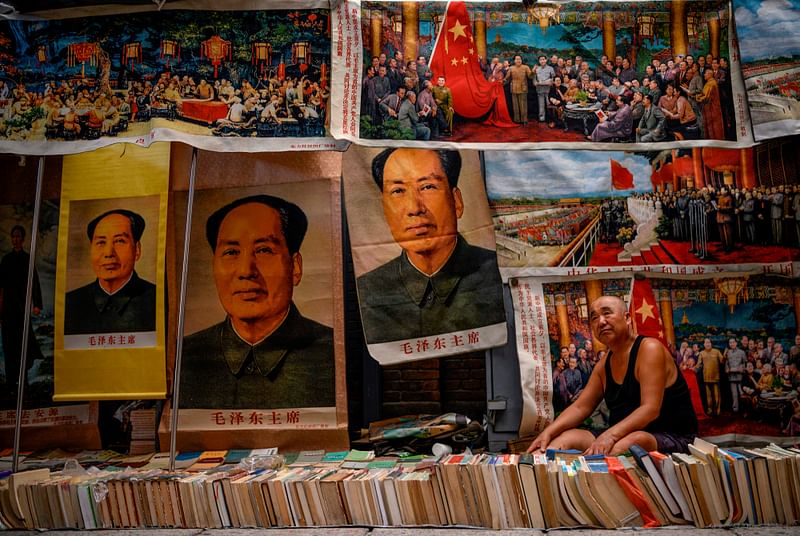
[711, 486]
[143, 431]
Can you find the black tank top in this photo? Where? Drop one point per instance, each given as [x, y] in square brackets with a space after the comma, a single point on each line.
[677, 414]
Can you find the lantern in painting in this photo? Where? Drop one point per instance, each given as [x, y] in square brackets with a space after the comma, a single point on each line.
[436, 23]
[81, 53]
[132, 53]
[170, 49]
[647, 26]
[262, 54]
[693, 28]
[397, 23]
[216, 49]
[41, 54]
[301, 52]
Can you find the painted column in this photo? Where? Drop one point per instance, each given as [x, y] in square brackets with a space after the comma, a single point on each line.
[563, 319]
[609, 36]
[375, 33]
[594, 290]
[410, 30]
[678, 35]
[676, 180]
[697, 161]
[665, 308]
[747, 174]
[480, 35]
[713, 35]
[797, 307]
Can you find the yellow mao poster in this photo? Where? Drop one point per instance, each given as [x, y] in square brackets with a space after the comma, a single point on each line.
[110, 318]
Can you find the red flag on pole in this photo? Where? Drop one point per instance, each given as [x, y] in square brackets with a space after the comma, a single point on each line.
[621, 178]
[455, 58]
[644, 310]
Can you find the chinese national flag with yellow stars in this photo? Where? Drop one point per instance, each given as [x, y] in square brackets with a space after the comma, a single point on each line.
[644, 310]
[455, 58]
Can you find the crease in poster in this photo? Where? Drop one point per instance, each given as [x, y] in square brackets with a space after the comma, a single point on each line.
[259, 351]
[487, 74]
[684, 212]
[220, 80]
[533, 353]
[423, 249]
[733, 338]
[110, 317]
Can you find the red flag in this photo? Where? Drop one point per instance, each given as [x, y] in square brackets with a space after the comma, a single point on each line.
[644, 310]
[621, 178]
[454, 58]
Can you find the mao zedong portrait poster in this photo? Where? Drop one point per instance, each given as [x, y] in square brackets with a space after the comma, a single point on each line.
[424, 253]
[111, 272]
[260, 300]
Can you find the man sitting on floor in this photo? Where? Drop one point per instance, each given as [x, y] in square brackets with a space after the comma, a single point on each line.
[647, 397]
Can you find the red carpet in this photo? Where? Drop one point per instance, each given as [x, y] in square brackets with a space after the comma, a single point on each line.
[730, 424]
[672, 252]
[535, 131]
[740, 255]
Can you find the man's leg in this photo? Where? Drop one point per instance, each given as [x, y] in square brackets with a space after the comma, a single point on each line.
[515, 105]
[572, 439]
[709, 398]
[542, 105]
[523, 108]
[644, 439]
[736, 392]
[715, 389]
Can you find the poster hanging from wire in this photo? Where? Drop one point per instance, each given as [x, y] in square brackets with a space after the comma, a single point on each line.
[549, 75]
[109, 312]
[770, 48]
[221, 80]
[733, 338]
[423, 249]
[680, 211]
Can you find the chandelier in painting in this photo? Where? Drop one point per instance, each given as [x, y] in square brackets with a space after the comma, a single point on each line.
[543, 13]
[732, 289]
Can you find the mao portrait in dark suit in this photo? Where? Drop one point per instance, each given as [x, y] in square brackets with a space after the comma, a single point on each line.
[440, 283]
[118, 300]
[265, 353]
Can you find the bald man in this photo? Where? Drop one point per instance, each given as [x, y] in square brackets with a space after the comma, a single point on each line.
[647, 397]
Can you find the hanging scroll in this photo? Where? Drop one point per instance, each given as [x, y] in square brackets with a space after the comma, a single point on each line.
[733, 337]
[550, 74]
[172, 75]
[109, 309]
[770, 48]
[426, 271]
[678, 211]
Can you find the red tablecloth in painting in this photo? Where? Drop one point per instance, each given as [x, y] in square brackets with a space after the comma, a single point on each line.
[203, 110]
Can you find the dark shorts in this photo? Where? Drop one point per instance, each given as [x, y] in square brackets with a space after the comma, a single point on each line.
[666, 442]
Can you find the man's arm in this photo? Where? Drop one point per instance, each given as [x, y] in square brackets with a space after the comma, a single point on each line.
[577, 412]
[652, 380]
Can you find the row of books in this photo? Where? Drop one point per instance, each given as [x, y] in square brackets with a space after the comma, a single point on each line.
[709, 486]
